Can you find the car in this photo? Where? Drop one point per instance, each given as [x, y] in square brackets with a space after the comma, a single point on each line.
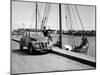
[34, 43]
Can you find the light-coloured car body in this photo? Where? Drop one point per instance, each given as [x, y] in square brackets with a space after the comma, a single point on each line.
[35, 43]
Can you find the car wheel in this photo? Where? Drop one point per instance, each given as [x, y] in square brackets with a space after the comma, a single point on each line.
[21, 47]
[30, 49]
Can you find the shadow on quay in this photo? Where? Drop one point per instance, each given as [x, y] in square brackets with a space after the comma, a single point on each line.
[25, 52]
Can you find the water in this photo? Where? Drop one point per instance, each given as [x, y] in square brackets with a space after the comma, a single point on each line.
[68, 39]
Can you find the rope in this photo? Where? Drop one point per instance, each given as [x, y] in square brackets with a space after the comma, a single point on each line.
[75, 24]
[39, 17]
[43, 17]
[32, 19]
[74, 18]
[66, 17]
[79, 16]
[46, 14]
[73, 44]
[43, 20]
[66, 21]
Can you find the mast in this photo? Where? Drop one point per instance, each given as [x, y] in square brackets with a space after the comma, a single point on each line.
[36, 16]
[60, 25]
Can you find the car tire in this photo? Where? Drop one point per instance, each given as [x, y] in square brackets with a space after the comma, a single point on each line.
[30, 49]
[21, 47]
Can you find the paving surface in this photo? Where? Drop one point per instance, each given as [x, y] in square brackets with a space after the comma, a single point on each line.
[22, 62]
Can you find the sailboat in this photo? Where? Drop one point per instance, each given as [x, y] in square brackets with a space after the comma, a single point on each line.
[42, 44]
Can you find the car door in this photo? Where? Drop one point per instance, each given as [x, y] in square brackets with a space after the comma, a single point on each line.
[27, 38]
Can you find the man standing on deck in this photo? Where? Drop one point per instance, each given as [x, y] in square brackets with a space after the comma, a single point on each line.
[47, 34]
[49, 37]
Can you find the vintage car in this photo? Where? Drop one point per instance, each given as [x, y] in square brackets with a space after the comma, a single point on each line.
[35, 43]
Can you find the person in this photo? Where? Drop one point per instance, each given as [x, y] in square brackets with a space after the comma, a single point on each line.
[83, 44]
[46, 34]
[84, 41]
[58, 42]
[49, 36]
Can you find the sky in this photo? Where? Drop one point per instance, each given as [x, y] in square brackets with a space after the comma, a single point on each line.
[23, 16]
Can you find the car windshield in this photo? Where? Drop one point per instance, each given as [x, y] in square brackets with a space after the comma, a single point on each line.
[37, 35]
